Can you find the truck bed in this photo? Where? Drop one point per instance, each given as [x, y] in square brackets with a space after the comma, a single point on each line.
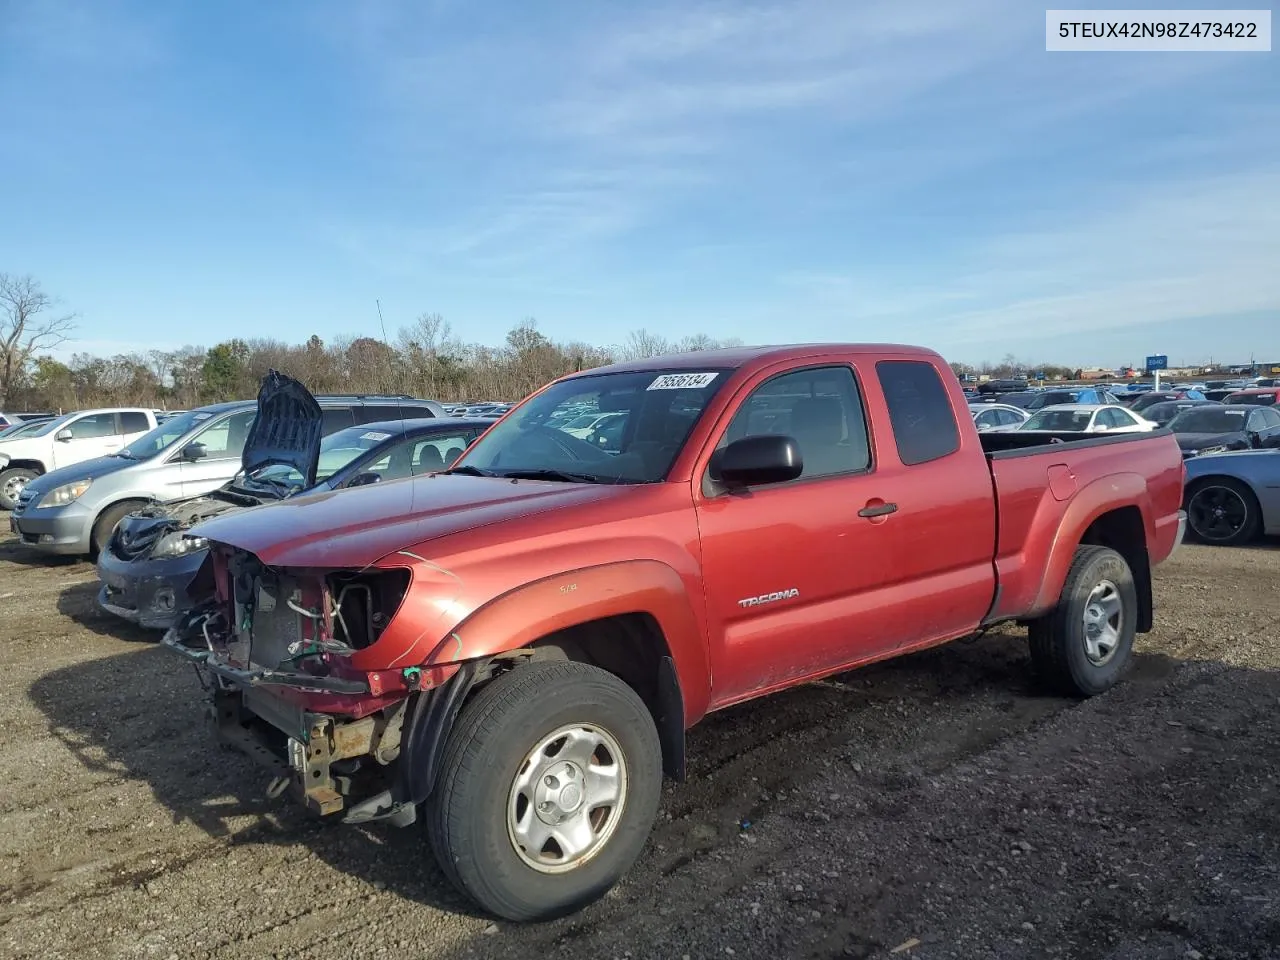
[1053, 486]
[1021, 443]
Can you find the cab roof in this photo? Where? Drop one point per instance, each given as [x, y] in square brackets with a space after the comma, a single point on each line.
[735, 357]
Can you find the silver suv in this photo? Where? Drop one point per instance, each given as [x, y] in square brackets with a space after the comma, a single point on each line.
[73, 510]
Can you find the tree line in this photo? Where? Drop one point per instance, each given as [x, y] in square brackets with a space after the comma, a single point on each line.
[424, 359]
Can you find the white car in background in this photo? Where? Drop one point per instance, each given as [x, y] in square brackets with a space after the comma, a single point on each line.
[1087, 418]
[997, 417]
[582, 426]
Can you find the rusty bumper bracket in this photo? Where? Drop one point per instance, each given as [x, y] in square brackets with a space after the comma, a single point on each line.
[426, 731]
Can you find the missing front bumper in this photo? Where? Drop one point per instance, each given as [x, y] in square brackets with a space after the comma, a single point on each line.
[262, 676]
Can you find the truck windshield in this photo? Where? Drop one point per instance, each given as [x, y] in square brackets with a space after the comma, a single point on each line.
[164, 436]
[49, 426]
[625, 427]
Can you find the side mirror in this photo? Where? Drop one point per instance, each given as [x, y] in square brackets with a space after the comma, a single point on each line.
[194, 451]
[64, 435]
[752, 461]
[364, 479]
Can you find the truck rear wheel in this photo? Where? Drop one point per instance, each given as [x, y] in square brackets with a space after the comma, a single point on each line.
[548, 790]
[1082, 647]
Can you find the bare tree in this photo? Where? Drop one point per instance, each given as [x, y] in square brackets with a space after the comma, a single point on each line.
[23, 330]
[161, 365]
[642, 344]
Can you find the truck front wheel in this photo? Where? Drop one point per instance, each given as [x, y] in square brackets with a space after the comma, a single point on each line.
[548, 790]
[1083, 645]
[11, 483]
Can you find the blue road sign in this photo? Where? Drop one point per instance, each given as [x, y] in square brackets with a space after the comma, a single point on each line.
[1158, 362]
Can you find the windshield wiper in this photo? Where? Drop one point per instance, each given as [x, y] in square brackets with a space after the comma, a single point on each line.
[551, 475]
[467, 469]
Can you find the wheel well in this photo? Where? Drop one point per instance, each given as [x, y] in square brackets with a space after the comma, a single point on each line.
[35, 465]
[633, 648]
[133, 501]
[1122, 530]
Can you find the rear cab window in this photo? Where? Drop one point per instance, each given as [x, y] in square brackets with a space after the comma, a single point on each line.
[134, 421]
[920, 410]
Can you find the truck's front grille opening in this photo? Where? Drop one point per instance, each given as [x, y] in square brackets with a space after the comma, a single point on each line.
[364, 603]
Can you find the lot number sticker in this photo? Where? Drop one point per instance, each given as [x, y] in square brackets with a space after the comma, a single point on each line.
[682, 381]
[374, 435]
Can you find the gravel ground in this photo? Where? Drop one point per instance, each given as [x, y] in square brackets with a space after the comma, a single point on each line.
[936, 806]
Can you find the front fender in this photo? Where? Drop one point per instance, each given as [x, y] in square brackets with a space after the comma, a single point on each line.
[519, 617]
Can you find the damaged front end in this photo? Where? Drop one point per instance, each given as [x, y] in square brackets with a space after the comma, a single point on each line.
[150, 569]
[275, 651]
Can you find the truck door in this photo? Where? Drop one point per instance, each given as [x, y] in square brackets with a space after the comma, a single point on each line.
[943, 531]
[794, 573]
[87, 437]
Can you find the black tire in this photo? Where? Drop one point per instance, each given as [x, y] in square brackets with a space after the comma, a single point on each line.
[1223, 512]
[107, 522]
[467, 814]
[1060, 641]
[22, 474]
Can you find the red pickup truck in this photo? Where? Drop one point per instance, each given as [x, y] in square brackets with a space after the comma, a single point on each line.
[513, 649]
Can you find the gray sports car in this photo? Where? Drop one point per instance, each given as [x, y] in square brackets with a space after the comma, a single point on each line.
[1231, 498]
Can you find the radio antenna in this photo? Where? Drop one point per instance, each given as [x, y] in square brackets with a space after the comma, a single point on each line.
[399, 406]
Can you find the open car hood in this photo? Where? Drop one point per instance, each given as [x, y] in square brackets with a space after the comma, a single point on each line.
[287, 429]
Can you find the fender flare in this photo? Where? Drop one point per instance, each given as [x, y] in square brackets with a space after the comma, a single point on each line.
[1104, 495]
[520, 616]
[26, 464]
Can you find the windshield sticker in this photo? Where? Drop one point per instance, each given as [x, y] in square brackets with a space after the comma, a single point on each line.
[682, 381]
[375, 436]
[203, 416]
[1235, 413]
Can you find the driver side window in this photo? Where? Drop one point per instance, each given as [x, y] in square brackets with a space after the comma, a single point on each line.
[94, 426]
[818, 408]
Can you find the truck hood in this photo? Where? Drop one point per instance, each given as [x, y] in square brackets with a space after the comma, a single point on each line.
[287, 429]
[24, 447]
[94, 469]
[359, 526]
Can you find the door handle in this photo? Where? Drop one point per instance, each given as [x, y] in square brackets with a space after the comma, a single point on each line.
[880, 509]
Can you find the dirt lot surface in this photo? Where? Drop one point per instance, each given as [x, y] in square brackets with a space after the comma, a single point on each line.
[940, 804]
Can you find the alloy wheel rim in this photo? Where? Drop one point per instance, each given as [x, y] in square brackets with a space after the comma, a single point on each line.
[13, 486]
[1217, 513]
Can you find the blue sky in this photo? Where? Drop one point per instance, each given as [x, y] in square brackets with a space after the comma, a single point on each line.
[775, 171]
